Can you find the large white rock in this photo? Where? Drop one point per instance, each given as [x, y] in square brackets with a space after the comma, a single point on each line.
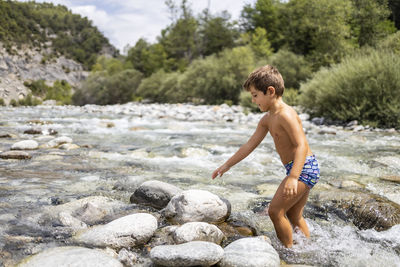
[188, 254]
[56, 142]
[197, 206]
[90, 210]
[127, 231]
[154, 193]
[70, 257]
[198, 231]
[25, 145]
[250, 252]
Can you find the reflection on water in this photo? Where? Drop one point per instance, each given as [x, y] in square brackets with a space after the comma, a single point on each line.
[123, 146]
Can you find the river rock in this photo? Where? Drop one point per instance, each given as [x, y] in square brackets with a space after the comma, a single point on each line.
[198, 231]
[365, 210]
[90, 210]
[56, 142]
[25, 145]
[197, 206]
[15, 155]
[188, 254]
[68, 146]
[70, 256]
[127, 231]
[33, 131]
[250, 252]
[155, 194]
[391, 178]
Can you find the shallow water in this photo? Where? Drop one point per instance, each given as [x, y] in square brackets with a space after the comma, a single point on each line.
[143, 142]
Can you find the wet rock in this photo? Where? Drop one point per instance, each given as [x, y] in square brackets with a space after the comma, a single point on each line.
[68, 146]
[198, 231]
[391, 178]
[188, 254]
[365, 210]
[56, 142]
[127, 231]
[250, 251]
[90, 210]
[3, 135]
[33, 131]
[68, 220]
[350, 184]
[197, 206]
[25, 145]
[39, 122]
[70, 256]
[50, 132]
[327, 130]
[155, 194]
[318, 120]
[15, 155]
[128, 258]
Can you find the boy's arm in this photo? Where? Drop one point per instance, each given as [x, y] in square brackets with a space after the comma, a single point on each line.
[259, 134]
[296, 134]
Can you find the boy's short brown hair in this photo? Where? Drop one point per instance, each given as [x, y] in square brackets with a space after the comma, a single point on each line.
[263, 77]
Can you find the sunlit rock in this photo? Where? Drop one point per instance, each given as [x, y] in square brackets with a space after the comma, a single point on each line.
[127, 231]
[197, 206]
[90, 210]
[70, 256]
[198, 231]
[25, 145]
[391, 178]
[251, 252]
[365, 210]
[154, 193]
[188, 254]
[68, 146]
[56, 142]
[15, 155]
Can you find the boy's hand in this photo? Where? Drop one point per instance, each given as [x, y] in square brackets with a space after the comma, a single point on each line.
[220, 171]
[290, 189]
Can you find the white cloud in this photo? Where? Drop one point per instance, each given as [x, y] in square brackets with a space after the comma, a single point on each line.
[124, 22]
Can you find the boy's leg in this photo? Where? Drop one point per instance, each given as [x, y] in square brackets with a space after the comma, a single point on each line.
[295, 214]
[278, 208]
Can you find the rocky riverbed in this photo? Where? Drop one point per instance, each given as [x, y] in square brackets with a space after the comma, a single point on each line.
[129, 185]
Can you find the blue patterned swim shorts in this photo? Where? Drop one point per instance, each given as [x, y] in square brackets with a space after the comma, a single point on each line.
[310, 173]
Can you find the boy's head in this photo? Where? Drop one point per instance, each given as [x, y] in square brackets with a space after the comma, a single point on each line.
[264, 77]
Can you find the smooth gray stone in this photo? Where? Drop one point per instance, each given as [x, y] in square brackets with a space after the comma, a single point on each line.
[16, 154]
[127, 231]
[250, 252]
[197, 206]
[188, 254]
[25, 145]
[155, 194]
[198, 231]
[70, 257]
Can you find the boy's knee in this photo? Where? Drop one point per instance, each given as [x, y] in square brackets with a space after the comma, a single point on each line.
[274, 212]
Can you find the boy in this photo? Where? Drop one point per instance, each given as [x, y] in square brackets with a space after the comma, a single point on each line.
[302, 173]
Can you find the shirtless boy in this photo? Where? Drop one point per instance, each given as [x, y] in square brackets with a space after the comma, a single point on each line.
[302, 172]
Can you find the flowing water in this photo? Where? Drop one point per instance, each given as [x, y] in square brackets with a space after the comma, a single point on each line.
[135, 143]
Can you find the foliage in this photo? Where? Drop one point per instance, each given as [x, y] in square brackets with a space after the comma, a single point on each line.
[391, 43]
[258, 41]
[2, 103]
[291, 96]
[105, 88]
[37, 23]
[60, 91]
[370, 21]
[29, 100]
[294, 68]
[219, 78]
[362, 87]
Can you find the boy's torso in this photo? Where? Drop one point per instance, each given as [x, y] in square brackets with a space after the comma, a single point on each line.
[283, 144]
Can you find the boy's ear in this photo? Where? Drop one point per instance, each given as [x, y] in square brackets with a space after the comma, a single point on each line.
[271, 90]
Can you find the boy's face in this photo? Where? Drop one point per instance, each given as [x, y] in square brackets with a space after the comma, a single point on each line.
[262, 100]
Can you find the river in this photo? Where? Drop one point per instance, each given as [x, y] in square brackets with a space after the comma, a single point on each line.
[182, 145]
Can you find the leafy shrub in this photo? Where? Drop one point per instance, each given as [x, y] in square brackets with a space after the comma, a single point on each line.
[104, 89]
[362, 87]
[391, 43]
[2, 103]
[294, 68]
[29, 100]
[60, 91]
[291, 96]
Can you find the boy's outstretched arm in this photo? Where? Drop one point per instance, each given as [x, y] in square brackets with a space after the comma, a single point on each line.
[259, 134]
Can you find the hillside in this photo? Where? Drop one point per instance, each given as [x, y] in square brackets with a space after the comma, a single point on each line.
[42, 41]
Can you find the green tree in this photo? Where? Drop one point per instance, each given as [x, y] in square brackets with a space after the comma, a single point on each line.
[258, 41]
[370, 21]
[318, 29]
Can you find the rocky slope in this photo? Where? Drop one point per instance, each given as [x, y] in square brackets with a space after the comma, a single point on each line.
[28, 64]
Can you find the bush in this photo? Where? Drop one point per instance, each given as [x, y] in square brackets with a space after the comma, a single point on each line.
[291, 96]
[294, 68]
[362, 87]
[391, 43]
[104, 89]
[60, 91]
[29, 100]
[2, 103]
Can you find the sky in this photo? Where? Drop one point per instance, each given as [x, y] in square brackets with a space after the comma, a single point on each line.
[123, 22]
